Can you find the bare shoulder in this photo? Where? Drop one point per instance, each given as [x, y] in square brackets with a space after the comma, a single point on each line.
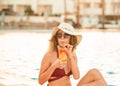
[46, 60]
[75, 56]
[48, 56]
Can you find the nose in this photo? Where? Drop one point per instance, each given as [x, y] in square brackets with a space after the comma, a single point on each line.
[62, 37]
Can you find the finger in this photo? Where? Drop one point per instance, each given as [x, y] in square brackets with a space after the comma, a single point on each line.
[66, 45]
[69, 47]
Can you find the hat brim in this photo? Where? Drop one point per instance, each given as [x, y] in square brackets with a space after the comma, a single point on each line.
[76, 34]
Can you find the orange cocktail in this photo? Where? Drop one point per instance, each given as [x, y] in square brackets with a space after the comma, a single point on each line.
[62, 54]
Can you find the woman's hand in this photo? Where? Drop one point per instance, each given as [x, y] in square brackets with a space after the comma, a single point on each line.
[59, 64]
[68, 49]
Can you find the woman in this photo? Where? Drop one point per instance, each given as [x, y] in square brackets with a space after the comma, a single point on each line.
[56, 69]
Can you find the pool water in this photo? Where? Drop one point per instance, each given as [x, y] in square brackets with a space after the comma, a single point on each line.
[21, 54]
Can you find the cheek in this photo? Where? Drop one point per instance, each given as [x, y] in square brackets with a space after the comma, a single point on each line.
[68, 41]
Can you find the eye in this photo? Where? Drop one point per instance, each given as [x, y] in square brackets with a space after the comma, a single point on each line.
[59, 35]
[66, 35]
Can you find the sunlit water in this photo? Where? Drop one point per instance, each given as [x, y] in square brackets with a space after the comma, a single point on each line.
[21, 54]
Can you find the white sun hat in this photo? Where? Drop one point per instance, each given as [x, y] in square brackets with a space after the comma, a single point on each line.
[69, 29]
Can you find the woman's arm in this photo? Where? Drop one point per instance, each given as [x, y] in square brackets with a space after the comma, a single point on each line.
[74, 66]
[72, 61]
[46, 69]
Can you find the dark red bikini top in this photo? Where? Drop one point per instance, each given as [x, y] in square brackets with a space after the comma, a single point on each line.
[59, 73]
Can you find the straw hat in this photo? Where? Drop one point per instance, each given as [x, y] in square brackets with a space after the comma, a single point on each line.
[69, 29]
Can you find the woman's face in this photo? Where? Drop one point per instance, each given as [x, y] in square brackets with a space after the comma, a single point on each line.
[62, 38]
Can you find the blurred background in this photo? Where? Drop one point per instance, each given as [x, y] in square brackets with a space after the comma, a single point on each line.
[26, 26]
[48, 13]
